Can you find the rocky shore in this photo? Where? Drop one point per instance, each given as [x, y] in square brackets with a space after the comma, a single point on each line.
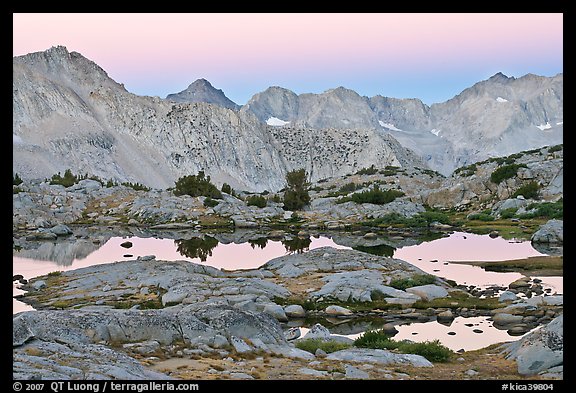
[145, 316]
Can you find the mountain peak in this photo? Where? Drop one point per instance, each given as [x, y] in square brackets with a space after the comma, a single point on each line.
[500, 78]
[201, 90]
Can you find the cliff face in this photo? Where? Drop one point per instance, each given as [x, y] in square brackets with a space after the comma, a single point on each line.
[496, 117]
[69, 114]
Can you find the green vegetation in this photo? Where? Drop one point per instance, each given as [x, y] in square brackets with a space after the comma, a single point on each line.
[226, 188]
[434, 351]
[296, 196]
[467, 170]
[505, 172]
[276, 198]
[135, 186]
[16, 190]
[555, 148]
[16, 180]
[312, 344]
[347, 188]
[545, 209]
[256, 200]
[209, 202]
[367, 171]
[508, 213]
[414, 281]
[485, 215]
[420, 220]
[54, 273]
[528, 190]
[67, 180]
[196, 247]
[375, 196]
[196, 185]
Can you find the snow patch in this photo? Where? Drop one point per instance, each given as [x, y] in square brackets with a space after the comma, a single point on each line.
[559, 123]
[543, 127]
[16, 139]
[435, 131]
[500, 99]
[390, 126]
[274, 121]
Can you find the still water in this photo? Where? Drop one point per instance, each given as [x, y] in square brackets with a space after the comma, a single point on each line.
[433, 257]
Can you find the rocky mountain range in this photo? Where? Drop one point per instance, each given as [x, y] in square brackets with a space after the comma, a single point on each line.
[495, 117]
[68, 113]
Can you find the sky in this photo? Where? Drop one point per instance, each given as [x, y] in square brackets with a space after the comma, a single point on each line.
[428, 56]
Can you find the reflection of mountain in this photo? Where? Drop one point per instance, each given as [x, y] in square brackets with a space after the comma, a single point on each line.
[197, 247]
[63, 253]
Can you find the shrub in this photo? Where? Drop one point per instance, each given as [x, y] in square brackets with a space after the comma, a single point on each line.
[226, 188]
[67, 180]
[296, 196]
[505, 172]
[546, 209]
[508, 213]
[196, 185]
[528, 190]
[467, 170]
[16, 180]
[434, 351]
[136, 186]
[111, 183]
[209, 202]
[312, 344]
[349, 187]
[367, 171]
[481, 217]
[552, 149]
[375, 196]
[256, 200]
[414, 281]
[276, 198]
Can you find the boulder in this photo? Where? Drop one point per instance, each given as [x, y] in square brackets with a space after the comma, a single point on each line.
[61, 230]
[507, 296]
[355, 373]
[428, 292]
[378, 356]
[445, 316]
[317, 332]
[295, 311]
[506, 319]
[540, 350]
[276, 311]
[337, 311]
[551, 232]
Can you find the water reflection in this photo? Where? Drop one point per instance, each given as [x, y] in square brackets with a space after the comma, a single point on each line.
[383, 250]
[297, 245]
[197, 247]
[260, 242]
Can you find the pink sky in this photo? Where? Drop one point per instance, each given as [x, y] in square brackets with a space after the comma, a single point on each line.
[431, 56]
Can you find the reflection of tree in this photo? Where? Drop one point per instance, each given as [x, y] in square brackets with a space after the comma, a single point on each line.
[261, 242]
[383, 250]
[196, 247]
[297, 244]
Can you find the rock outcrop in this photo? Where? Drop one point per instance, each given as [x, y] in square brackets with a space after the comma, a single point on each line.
[541, 350]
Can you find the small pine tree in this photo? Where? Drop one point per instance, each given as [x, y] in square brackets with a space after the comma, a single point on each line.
[16, 180]
[296, 196]
[226, 188]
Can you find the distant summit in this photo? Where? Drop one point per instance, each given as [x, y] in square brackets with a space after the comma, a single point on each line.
[202, 91]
